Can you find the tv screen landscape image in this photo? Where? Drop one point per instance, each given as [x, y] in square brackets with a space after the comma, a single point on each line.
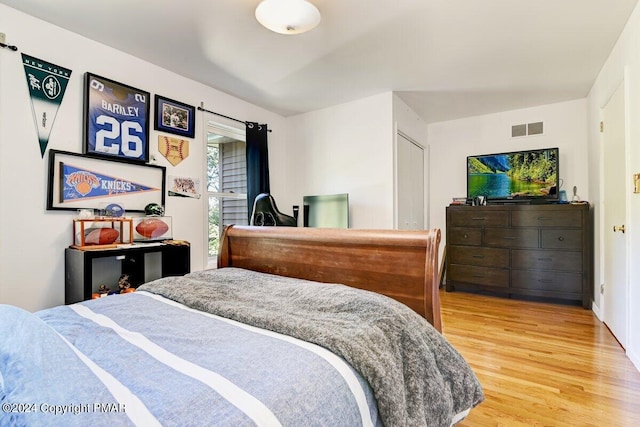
[531, 174]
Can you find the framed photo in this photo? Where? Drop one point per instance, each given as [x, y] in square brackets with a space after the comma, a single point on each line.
[174, 117]
[182, 186]
[78, 181]
[116, 120]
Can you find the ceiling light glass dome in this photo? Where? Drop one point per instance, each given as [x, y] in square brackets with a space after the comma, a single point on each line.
[288, 16]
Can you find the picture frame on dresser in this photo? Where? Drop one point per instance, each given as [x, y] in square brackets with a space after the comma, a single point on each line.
[80, 181]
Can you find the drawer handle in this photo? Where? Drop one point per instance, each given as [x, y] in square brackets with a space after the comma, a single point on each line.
[545, 280]
[465, 236]
[561, 238]
[477, 275]
[510, 237]
[545, 259]
[543, 218]
[478, 218]
[478, 256]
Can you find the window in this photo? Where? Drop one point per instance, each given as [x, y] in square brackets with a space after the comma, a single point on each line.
[226, 181]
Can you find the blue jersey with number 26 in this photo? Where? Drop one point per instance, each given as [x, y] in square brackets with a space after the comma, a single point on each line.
[117, 125]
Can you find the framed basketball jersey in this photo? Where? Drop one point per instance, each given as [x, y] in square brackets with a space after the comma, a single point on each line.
[116, 120]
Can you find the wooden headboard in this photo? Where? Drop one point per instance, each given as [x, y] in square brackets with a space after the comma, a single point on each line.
[400, 264]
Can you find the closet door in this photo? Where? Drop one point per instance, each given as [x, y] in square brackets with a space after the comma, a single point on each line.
[410, 189]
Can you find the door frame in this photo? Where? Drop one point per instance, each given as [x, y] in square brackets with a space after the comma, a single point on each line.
[213, 125]
[425, 149]
[627, 214]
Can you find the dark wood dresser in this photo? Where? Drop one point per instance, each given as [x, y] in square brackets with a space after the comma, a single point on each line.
[521, 250]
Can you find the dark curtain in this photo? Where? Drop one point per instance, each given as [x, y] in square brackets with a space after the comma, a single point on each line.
[257, 163]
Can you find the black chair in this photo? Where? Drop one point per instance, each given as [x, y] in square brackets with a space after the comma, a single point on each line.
[266, 213]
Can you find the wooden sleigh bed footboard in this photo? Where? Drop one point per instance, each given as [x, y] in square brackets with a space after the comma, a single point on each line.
[400, 264]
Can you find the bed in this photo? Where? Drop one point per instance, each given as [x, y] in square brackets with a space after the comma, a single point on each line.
[295, 327]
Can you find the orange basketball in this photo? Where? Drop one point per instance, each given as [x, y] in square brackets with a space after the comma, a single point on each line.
[83, 188]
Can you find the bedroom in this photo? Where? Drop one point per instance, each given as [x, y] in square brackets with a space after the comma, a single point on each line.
[570, 125]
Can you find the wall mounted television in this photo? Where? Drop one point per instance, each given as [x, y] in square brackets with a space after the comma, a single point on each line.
[519, 176]
[326, 211]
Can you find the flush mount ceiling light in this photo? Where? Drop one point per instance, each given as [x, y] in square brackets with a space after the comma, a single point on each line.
[288, 16]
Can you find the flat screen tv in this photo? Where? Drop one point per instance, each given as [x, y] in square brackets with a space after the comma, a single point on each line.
[530, 175]
[326, 211]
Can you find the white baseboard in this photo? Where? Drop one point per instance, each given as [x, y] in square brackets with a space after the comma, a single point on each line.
[635, 359]
[596, 310]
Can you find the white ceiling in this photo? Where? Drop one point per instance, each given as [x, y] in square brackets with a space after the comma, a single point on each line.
[446, 59]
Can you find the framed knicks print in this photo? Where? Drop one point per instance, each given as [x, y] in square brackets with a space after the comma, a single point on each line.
[174, 117]
[85, 181]
[116, 120]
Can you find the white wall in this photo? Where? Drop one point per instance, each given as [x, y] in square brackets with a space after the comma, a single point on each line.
[346, 148]
[565, 127]
[32, 240]
[623, 63]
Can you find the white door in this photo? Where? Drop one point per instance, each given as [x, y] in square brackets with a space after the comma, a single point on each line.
[615, 259]
[410, 167]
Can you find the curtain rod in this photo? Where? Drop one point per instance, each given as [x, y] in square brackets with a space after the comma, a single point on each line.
[201, 108]
[9, 46]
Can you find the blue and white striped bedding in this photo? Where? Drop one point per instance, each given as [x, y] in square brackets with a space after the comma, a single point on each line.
[141, 359]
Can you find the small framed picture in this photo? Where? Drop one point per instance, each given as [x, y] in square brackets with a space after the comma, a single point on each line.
[174, 117]
[116, 120]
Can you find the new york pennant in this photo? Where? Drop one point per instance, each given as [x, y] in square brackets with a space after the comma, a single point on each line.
[47, 83]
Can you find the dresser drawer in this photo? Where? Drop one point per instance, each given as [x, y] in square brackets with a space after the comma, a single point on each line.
[464, 236]
[487, 276]
[547, 281]
[546, 218]
[488, 257]
[561, 239]
[546, 260]
[479, 217]
[511, 237]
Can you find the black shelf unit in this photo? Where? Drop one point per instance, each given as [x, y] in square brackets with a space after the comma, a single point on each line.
[86, 270]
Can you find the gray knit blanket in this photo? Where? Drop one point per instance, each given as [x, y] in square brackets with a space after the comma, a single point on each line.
[417, 377]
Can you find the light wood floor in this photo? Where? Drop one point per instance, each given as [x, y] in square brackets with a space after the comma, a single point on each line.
[541, 364]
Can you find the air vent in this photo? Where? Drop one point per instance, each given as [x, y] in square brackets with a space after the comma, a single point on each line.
[534, 128]
[527, 129]
[518, 130]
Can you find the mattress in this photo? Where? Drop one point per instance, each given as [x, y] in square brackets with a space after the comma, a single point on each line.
[227, 347]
